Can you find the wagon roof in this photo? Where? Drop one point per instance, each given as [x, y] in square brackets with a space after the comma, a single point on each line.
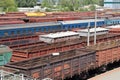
[93, 30]
[80, 21]
[59, 34]
[28, 25]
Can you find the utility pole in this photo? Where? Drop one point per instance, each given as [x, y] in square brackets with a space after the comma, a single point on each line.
[95, 27]
[88, 36]
[1, 75]
[96, 23]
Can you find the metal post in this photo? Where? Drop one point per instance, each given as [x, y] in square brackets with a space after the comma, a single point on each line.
[22, 76]
[95, 27]
[14, 77]
[88, 36]
[1, 75]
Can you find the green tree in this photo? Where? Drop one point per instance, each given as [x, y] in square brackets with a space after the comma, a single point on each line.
[72, 5]
[26, 3]
[83, 9]
[92, 8]
[46, 3]
[8, 5]
[101, 2]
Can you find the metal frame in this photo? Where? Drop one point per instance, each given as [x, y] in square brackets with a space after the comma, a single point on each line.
[30, 51]
[62, 66]
[31, 28]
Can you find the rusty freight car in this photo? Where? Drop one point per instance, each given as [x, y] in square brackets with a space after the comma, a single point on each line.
[107, 52]
[30, 50]
[71, 62]
[66, 64]
[115, 30]
[16, 41]
[11, 18]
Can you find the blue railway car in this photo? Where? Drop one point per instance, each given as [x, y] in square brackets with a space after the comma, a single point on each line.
[81, 23]
[22, 29]
[29, 28]
[112, 21]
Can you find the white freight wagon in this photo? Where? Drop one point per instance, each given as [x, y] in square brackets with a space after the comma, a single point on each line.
[99, 31]
[59, 36]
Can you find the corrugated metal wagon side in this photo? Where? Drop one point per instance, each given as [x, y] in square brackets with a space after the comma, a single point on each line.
[39, 48]
[66, 64]
[107, 52]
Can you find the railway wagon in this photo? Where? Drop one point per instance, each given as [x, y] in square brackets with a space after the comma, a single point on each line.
[31, 28]
[81, 23]
[106, 53]
[59, 36]
[5, 54]
[58, 67]
[49, 19]
[114, 30]
[18, 40]
[112, 21]
[11, 18]
[30, 50]
[71, 62]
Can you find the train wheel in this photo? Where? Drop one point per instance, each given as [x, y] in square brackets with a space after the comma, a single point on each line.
[84, 75]
[103, 68]
[75, 77]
